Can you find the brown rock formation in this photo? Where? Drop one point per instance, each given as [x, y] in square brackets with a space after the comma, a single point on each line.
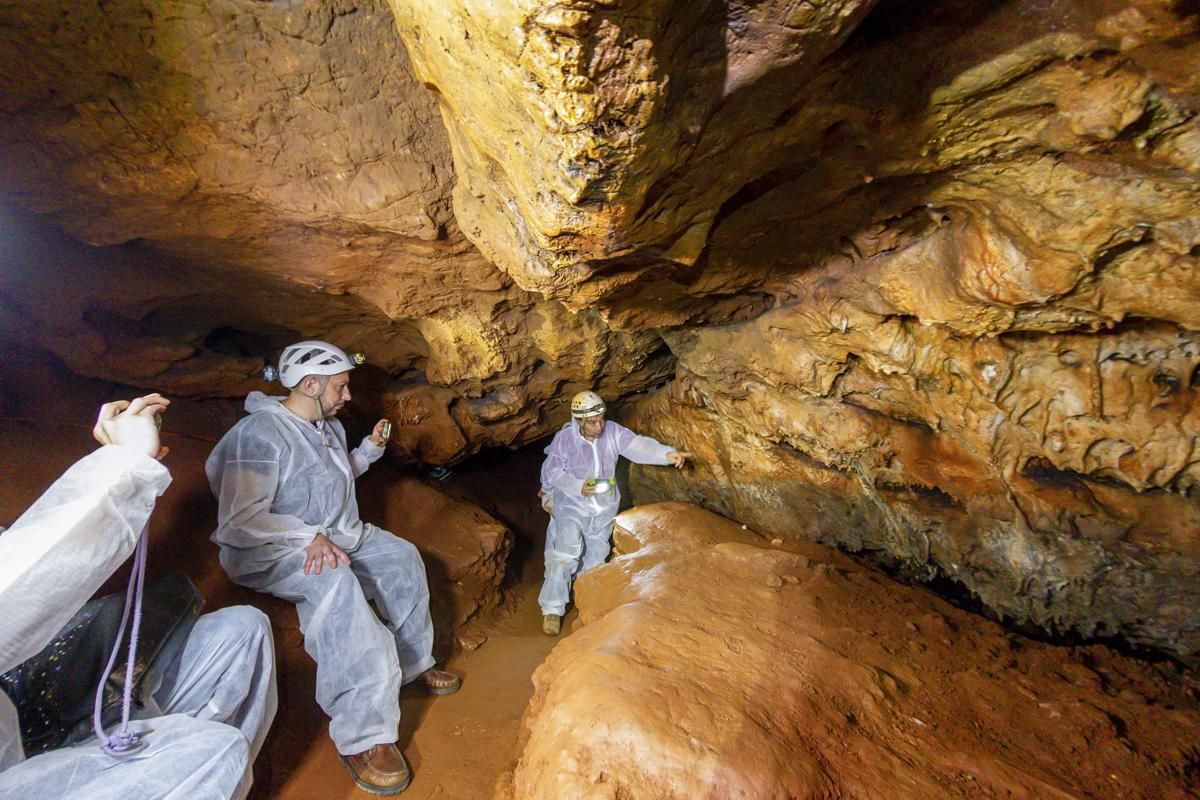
[464, 548]
[711, 664]
[932, 267]
[594, 140]
[996, 384]
[251, 173]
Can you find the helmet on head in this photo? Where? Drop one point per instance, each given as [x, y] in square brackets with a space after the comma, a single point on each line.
[313, 357]
[587, 404]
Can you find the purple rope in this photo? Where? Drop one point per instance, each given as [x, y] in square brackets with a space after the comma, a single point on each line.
[125, 742]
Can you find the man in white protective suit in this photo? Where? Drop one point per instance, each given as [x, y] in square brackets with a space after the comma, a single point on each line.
[288, 525]
[580, 494]
[216, 701]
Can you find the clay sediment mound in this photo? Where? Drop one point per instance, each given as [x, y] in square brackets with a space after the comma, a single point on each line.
[714, 664]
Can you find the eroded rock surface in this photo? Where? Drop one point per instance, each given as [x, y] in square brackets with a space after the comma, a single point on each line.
[930, 268]
[713, 664]
[996, 383]
[594, 140]
[251, 173]
[464, 548]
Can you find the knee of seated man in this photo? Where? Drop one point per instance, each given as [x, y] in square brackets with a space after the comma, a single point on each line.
[186, 733]
[223, 743]
[242, 624]
[404, 553]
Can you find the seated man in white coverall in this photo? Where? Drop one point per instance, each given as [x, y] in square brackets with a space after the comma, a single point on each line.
[580, 493]
[215, 706]
[288, 525]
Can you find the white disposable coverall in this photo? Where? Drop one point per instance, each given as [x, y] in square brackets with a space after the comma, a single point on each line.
[280, 480]
[216, 702]
[577, 538]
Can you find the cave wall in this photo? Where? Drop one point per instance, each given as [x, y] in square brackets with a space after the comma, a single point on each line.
[999, 384]
[922, 276]
[250, 173]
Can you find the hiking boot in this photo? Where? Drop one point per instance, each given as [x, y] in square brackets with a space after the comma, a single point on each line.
[436, 681]
[381, 770]
[551, 624]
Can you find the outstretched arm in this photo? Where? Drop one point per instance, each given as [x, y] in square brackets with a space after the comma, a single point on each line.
[80, 530]
[645, 450]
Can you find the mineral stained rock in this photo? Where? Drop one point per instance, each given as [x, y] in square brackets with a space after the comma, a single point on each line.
[997, 384]
[931, 268]
[247, 174]
[711, 664]
[595, 141]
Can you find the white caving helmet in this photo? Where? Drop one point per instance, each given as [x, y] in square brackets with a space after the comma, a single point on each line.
[313, 357]
[587, 404]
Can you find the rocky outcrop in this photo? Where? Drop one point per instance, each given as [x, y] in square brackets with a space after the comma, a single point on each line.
[1053, 477]
[596, 141]
[711, 663]
[928, 268]
[250, 173]
[998, 384]
[464, 548]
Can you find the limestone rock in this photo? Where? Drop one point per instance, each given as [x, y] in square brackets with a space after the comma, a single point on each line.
[930, 267]
[595, 141]
[248, 174]
[464, 547]
[996, 385]
[817, 677]
[1053, 481]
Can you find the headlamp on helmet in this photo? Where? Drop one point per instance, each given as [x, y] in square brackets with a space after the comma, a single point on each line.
[587, 404]
[313, 357]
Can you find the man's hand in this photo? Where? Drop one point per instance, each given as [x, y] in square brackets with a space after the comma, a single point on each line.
[676, 458]
[381, 433]
[323, 553]
[132, 424]
[588, 489]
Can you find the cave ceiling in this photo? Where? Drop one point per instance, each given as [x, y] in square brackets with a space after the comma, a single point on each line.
[939, 257]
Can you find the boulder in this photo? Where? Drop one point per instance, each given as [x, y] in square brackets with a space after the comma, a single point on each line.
[712, 663]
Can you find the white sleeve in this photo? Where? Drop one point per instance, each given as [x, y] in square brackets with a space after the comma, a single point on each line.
[363, 456]
[66, 545]
[642, 449]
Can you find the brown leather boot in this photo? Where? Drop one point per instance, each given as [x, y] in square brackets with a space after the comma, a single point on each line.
[380, 770]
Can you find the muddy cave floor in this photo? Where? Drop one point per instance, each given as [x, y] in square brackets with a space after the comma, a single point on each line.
[456, 745]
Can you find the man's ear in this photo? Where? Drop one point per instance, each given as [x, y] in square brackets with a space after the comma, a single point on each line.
[308, 385]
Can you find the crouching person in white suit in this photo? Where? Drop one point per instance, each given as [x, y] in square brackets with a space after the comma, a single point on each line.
[216, 702]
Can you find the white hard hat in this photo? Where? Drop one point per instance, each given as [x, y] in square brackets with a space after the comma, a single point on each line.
[587, 404]
[313, 357]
